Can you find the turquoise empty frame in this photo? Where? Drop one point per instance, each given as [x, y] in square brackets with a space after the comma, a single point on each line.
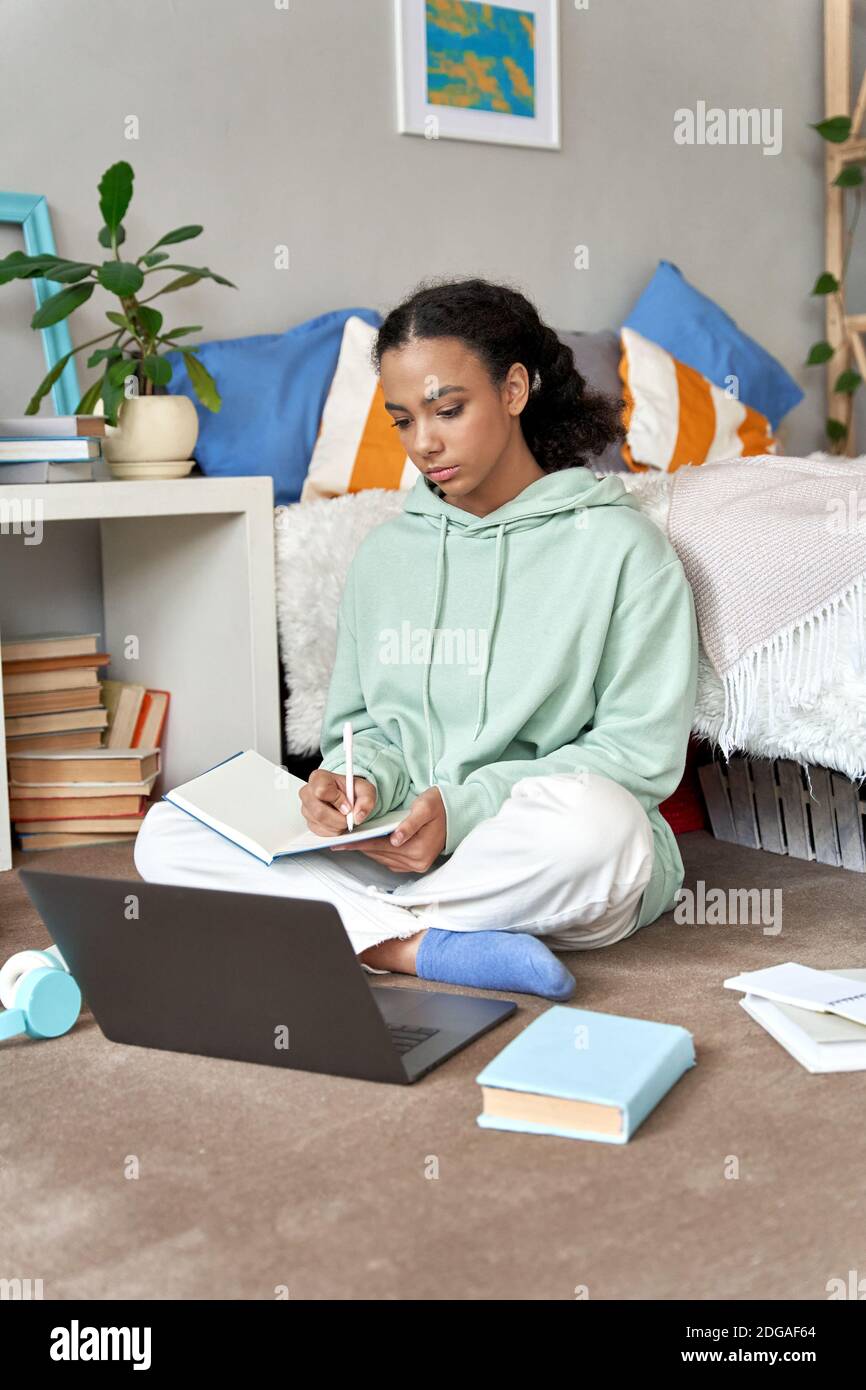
[30, 211]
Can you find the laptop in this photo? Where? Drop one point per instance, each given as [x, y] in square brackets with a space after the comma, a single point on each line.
[246, 976]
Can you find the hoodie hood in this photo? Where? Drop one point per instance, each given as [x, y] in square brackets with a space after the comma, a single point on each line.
[567, 489]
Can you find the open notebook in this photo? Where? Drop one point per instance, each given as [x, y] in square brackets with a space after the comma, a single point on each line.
[254, 803]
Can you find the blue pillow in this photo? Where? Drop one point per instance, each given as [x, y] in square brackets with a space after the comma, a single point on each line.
[273, 387]
[693, 328]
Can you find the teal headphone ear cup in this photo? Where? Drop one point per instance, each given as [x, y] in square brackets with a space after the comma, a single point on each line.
[50, 1000]
[13, 970]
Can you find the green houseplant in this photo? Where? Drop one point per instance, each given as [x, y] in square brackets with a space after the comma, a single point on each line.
[837, 130]
[150, 428]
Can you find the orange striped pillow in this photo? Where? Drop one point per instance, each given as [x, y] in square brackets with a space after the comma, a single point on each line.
[357, 446]
[674, 415]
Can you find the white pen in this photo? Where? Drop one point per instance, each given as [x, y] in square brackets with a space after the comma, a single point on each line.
[350, 783]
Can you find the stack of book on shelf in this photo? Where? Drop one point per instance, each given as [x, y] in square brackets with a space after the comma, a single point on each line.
[83, 753]
[52, 697]
[62, 449]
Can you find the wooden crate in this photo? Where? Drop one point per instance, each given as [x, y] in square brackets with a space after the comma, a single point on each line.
[764, 803]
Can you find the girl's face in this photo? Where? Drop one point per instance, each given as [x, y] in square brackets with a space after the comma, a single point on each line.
[454, 424]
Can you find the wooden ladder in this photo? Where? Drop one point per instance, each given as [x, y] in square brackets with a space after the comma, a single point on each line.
[841, 327]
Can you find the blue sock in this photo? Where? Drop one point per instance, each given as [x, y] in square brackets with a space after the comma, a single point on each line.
[493, 960]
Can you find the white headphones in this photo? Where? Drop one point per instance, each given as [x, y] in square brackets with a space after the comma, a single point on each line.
[39, 994]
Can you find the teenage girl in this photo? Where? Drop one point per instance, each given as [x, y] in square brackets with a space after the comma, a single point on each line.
[517, 655]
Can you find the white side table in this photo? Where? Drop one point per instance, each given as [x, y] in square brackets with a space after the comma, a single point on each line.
[187, 570]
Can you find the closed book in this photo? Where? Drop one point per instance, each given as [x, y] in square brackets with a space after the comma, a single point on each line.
[820, 1042]
[48, 450]
[583, 1075]
[28, 474]
[26, 682]
[58, 722]
[68, 741]
[123, 701]
[92, 768]
[50, 646]
[52, 701]
[75, 791]
[90, 825]
[150, 725]
[34, 842]
[53, 427]
[48, 809]
[39, 664]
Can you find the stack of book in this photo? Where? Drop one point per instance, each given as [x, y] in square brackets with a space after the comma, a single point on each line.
[822, 1036]
[83, 753]
[63, 449]
[90, 797]
[53, 702]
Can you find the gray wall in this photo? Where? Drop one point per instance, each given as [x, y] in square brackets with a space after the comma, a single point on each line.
[272, 126]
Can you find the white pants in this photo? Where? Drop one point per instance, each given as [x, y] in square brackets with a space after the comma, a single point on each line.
[567, 857]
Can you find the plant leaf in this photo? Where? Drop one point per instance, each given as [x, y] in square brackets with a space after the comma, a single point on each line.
[119, 371]
[179, 284]
[826, 284]
[18, 266]
[109, 354]
[836, 430]
[115, 193]
[847, 383]
[150, 319]
[112, 396]
[59, 306]
[45, 385]
[105, 237]
[818, 353]
[87, 404]
[159, 369]
[202, 382]
[850, 177]
[154, 258]
[67, 272]
[171, 333]
[201, 273]
[120, 277]
[179, 234]
[120, 319]
[835, 128]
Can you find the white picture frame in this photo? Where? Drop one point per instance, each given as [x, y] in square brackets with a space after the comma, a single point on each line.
[440, 120]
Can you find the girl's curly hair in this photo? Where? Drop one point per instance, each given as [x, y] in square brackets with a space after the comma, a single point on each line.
[563, 422]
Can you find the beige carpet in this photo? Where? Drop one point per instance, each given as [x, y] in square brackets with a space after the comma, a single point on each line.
[251, 1177]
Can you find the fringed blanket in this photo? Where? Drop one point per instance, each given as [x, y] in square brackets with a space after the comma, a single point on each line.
[774, 549]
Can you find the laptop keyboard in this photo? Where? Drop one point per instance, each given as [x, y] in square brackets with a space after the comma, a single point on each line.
[405, 1037]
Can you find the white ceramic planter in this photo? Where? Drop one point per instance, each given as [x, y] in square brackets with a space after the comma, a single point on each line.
[154, 438]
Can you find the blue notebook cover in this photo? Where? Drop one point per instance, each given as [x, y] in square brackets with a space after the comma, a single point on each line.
[576, 1054]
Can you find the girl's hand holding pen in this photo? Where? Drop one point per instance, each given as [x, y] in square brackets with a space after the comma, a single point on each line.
[325, 804]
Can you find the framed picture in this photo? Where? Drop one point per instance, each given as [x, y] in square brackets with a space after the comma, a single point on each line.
[473, 71]
[30, 211]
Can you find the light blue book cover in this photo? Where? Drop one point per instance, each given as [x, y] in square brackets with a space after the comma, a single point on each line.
[605, 1059]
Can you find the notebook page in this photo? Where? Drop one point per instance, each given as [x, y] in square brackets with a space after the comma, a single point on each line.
[255, 803]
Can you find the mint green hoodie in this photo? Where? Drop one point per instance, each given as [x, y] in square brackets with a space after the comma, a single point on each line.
[565, 640]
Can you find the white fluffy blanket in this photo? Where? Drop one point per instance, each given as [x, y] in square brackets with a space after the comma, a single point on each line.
[315, 542]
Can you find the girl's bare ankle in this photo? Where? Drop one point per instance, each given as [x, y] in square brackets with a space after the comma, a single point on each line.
[396, 954]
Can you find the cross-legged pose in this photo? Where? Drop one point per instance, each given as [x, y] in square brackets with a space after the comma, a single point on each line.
[517, 655]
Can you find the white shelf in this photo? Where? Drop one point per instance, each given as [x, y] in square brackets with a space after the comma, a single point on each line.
[187, 569]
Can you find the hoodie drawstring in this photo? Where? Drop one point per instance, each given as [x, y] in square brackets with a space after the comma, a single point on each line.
[491, 624]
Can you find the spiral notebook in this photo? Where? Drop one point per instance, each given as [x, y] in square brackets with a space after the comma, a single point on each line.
[255, 804]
